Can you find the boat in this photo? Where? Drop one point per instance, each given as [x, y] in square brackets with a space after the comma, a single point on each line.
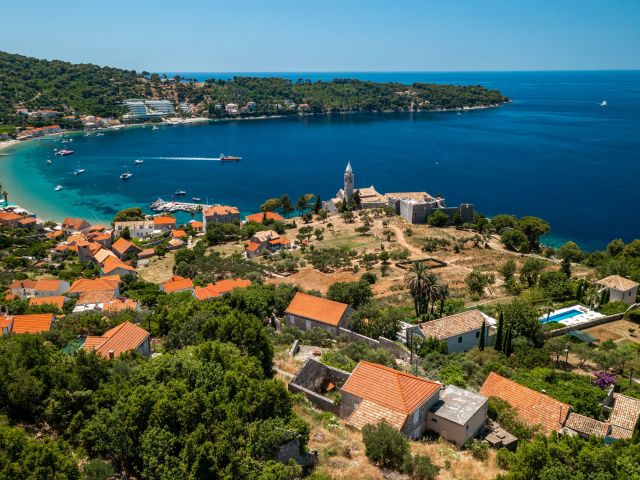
[63, 152]
[79, 171]
[195, 199]
[49, 162]
[228, 158]
[138, 161]
[155, 127]
[58, 188]
[126, 175]
[180, 193]
[99, 134]
[603, 103]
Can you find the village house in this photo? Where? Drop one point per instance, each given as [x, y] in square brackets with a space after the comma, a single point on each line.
[621, 289]
[9, 219]
[413, 405]
[221, 287]
[23, 288]
[29, 222]
[268, 240]
[71, 225]
[179, 234]
[175, 243]
[102, 284]
[308, 311]
[50, 288]
[33, 323]
[196, 226]
[124, 338]
[124, 248]
[103, 239]
[220, 214]
[137, 228]
[262, 216]
[177, 284]
[115, 266]
[461, 331]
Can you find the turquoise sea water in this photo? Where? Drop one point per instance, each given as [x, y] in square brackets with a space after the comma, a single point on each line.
[553, 152]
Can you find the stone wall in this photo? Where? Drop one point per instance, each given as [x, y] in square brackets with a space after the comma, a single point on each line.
[583, 326]
[309, 381]
[389, 345]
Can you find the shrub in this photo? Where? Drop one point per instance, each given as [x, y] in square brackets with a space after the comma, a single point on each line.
[424, 468]
[613, 308]
[479, 449]
[369, 277]
[384, 445]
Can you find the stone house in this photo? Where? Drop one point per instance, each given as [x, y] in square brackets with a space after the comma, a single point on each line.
[621, 289]
[269, 240]
[220, 214]
[126, 337]
[308, 311]
[461, 331]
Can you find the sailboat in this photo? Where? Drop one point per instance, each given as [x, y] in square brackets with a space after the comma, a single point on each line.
[49, 162]
[138, 161]
[603, 103]
[125, 175]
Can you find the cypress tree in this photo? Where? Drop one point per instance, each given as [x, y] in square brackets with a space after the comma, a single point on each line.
[482, 335]
[508, 348]
[498, 343]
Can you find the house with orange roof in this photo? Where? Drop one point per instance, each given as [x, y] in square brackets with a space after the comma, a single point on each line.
[101, 255]
[532, 407]
[123, 248]
[50, 288]
[146, 253]
[177, 284]
[126, 337]
[222, 287]
[164, 222]
[103, 284]
[29, 222]
[265, 240]
[121, 305]
[33, 323]
[56, 235]
[57, 301]
[461, 332]
[115, 266]
[70, 225]
[9, 219]
[308, 311]
[196, 226]
[23, 288]
[262, 216]
[220, 214]
[175, 243]
[179, 234]
[100, 238]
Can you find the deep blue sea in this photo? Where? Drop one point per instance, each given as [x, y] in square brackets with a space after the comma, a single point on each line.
[553, 152]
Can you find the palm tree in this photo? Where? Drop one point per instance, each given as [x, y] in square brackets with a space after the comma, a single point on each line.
[442, 297]
[423, 286]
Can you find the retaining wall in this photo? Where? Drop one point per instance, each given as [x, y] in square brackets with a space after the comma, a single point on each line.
[584, 326]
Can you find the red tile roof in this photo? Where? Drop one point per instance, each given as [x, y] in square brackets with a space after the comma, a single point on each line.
[586, 425]
[92, 285]
[35, 323]
[220, 210]
[90, 298]
[55, 234]
[389, 388]
[75, 223]
[23, 284]
[49, 285]
[178, 233]
[118, 340]
[253, 246]
[176, 284]
[453, 325]
[196, 224]
[220, 288]
[258, 217]
[9, 216]
[533, 408]
[120, 305]
[163, 220]
[112, 263]
[624, 415]
[56, 301]
[317, 308]
[122, 246]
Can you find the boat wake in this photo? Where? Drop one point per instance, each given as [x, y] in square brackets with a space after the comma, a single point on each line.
[200, 159]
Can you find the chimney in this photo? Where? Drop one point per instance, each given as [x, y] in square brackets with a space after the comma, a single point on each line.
[111, 354]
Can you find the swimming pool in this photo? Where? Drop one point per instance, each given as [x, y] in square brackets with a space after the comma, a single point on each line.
[561, 316]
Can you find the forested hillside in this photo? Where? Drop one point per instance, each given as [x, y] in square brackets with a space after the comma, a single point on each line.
[87, 89]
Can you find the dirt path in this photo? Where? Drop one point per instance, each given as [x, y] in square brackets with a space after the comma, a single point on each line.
[401, 239]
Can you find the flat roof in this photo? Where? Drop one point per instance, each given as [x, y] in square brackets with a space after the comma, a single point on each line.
[458, 405]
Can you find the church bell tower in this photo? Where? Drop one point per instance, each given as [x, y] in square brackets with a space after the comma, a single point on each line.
[348, 182]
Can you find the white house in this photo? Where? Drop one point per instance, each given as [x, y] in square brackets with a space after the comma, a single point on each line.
[461, 331]
[459, 415]
[620, 289]
[137, 228]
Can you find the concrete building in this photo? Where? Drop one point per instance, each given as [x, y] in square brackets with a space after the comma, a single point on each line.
[308, 311]
[137, 228]
[459, 415]
[621, 289]
[140, 110]
[461, 331]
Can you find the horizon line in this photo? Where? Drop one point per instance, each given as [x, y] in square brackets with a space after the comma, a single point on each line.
[402, 71]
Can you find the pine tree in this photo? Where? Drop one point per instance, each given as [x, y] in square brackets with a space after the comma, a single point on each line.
[508, 347]
[498, 343]
[482, 337]
[318, 205]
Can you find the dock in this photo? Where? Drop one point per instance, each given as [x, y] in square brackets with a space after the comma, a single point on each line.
[174, 206]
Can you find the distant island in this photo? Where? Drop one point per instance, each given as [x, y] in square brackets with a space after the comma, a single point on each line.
[36, 93]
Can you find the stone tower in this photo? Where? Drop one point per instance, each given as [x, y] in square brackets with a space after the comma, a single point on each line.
[348, 183]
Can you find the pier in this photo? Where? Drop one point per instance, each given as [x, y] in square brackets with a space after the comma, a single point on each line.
[161, 205]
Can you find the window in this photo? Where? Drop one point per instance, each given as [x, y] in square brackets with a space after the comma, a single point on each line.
[459, 339]
[434, 420]
[467, 427]
[477, 334]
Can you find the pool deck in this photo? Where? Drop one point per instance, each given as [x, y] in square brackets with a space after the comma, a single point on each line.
[586, 315]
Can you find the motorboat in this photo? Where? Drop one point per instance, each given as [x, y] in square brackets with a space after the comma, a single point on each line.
[603, 103]
[126, 175]
[180, 193]
[58, 188]
[228, 158]
[195, 199]
[138, 161]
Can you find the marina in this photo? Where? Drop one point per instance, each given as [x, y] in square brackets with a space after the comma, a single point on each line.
[161, 205]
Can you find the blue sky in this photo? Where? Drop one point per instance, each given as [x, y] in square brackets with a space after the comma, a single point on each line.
[328, 35]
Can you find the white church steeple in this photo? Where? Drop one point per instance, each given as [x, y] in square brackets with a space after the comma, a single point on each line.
[348, 182]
